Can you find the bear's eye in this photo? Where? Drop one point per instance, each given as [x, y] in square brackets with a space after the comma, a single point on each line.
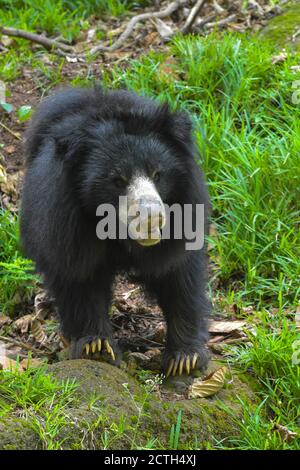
[120, 181]
[156, 176]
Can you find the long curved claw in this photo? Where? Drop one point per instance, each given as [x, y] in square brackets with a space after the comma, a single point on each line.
[187, 365]
[109, 349]
[175, 366]
[107, 346]
[112, 354]
[170, 368]
[181, 364]
[194, 361]
[98, 345]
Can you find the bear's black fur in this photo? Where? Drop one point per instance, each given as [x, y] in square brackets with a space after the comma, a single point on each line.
[78, 142]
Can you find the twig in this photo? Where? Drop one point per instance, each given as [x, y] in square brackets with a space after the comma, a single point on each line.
[50, 44]
[10, 131]
[136, 19]
[218, 7]
[220, 22]
[26, 346]
[158, 345]
[192, 16]
[295, 35]
[204, 21]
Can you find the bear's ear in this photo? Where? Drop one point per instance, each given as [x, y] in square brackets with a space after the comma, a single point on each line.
[181, 127]
[71, 149]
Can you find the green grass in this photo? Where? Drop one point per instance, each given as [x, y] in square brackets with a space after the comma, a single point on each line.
[40, 399]
[16, 278]
[274, 359]
[52, 409]
[56, 17]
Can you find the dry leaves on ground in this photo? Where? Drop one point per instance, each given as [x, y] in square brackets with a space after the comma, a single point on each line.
[285, 433]
[210, 385]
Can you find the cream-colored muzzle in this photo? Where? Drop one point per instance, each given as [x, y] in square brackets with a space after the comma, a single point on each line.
[145, 212]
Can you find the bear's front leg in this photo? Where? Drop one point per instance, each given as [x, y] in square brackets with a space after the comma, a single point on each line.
[83, 310]
[182, 296]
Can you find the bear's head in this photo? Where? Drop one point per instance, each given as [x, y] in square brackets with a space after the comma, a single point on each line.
[133, 155]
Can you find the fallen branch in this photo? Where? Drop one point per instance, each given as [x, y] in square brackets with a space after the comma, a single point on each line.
[218, 7]
[51, 44]
[136, 19]
[10, 131]
[204, 21]
[219, 23]
[192, 16]
[27, 346]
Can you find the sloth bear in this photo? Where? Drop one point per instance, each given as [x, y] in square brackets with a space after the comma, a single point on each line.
[88, 147]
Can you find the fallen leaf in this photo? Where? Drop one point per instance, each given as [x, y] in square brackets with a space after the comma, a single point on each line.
[43, 305]
[295, 68]
[248, 310]
[208, 386]
[4, 320]
[8, 182]
[216, 326]
[23, 324]
[164, 30]
[6, 40]
[10, 149]
[160, 332]
[38, 331]
[279, 58]
[285, 433]
[30, 363]
[6, 363]
[129, 294]
[3, 175]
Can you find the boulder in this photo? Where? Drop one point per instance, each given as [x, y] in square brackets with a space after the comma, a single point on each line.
[112, 410]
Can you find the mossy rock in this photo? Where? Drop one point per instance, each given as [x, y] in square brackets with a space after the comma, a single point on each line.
[280, 30]
[16, 434]
[124, 415]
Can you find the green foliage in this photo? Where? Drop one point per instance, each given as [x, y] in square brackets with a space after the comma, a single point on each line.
[270, 359]
[16, 275]
[42, 399]
[55, 18]
[59, 16]
[175, 432]
[7, 107]
[24, 113]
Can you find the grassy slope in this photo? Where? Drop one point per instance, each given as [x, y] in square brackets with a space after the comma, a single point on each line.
[247, 129]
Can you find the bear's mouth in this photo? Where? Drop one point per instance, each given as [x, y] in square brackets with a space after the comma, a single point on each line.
[148, 242]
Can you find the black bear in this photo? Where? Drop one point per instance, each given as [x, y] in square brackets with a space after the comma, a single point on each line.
[86, 148]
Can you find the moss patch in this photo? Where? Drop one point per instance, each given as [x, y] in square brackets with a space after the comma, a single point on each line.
[280, 30]
[114, 411]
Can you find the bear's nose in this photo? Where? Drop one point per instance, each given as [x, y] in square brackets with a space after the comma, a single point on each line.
[154, 210]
